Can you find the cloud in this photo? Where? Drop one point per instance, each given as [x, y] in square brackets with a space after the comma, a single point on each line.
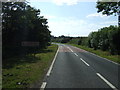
[39, 0]
[69, 25]
[97, 15]
[49, 16]
[110, 22]
[62, 2]
[75, 27]
[67, 2]
[70, 2]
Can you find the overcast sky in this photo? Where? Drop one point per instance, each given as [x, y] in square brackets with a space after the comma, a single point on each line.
[71, 17]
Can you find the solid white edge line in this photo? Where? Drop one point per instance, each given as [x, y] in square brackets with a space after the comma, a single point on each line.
[84, 62]
[75, 54]
[43, 86]
[50, 69]
[113, 87]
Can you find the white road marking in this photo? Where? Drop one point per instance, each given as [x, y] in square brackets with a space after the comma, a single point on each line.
[70, 49]
[50, 69]
[84, 62]
[113, 87]
[43, 86]
[75, 54]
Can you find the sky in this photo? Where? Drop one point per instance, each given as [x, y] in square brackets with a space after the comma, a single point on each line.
[72, 17]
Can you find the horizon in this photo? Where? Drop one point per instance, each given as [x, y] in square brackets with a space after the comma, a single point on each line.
[73, 18]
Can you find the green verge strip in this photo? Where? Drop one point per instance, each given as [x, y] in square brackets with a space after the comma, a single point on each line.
[27, 70]
[104, 54]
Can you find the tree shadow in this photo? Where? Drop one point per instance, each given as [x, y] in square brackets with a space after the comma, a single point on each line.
[19, 60]
[44, 51]
[24, 57]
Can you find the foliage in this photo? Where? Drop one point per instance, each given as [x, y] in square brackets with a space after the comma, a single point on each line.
[74, 40]
[61, 39]
[109, 35]
[82, 41]
[109, 8]
[21, 22]
[106, 39]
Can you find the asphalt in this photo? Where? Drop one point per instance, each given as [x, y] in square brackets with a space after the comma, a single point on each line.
[76, 68]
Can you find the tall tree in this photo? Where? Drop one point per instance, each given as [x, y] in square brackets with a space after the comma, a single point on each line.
[109, 8]
[21, 22]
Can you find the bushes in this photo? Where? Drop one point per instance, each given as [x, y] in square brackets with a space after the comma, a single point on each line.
[78, 41]
[61, 39]
[82, 41]
[74, 40]
[106, 39]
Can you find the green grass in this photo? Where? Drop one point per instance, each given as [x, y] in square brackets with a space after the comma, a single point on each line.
[23, 72]
[0, 80]
[105, 54]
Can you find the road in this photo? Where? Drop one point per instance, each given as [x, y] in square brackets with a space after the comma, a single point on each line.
[77, 68]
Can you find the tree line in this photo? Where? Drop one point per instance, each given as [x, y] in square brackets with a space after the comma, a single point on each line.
[106, 39]
[21, 22]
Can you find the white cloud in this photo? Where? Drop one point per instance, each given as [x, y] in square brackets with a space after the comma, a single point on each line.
[49, 16]
[70, 2]
[110, 22]
[39, 0]
[71, 26]
[62, 2]
[75, 27]
[97, 15]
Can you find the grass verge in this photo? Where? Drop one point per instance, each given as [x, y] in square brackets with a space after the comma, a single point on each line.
[23, 72]
[104, 54]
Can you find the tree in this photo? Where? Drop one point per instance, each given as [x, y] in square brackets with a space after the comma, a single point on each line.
[106, 39]
[109, 8]
[21, 22]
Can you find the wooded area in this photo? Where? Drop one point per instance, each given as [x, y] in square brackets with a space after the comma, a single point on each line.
[21, 23]
[106, 39]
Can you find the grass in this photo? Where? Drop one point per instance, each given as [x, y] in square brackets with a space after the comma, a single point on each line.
[0, 80]
[104, 54]
[23, 72]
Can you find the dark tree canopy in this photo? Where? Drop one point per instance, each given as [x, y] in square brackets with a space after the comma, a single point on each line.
[21, 22]
[109, 8]
[106, 39]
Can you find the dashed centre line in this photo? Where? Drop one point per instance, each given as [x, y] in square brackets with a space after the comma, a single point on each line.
[84, 62]
[70, 49]
[75, 54]
[113, 87]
